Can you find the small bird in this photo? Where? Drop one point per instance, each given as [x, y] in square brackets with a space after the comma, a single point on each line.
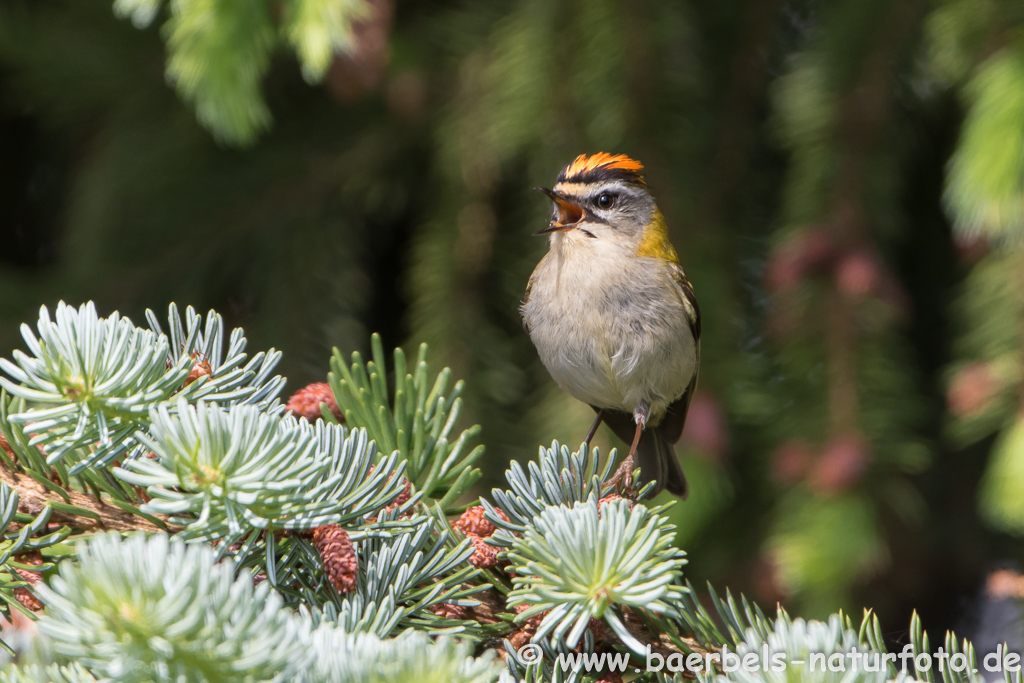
[612, 315]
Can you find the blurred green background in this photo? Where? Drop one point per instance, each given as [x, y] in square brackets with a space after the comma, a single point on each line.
[844, 181]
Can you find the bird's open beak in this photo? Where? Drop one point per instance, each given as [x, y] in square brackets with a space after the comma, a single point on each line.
[569, 214]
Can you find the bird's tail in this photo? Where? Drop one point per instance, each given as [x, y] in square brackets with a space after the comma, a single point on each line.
[657, 460]
[654, 454]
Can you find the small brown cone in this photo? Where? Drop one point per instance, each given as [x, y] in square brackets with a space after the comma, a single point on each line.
[447, 610]
[611, 498]
[477, 527]
[484, 556]
[201, 368]
[306, 402]
[6, 447]
[27, 599]
[338, 556]
[473, 522]
[403, 497]
[527, 629]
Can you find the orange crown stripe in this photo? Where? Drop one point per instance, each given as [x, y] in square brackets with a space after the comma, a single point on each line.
[585, 164]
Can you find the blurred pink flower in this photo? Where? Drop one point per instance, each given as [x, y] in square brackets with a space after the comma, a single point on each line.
[359, 71]
[972, 389]
[858, 273]
[790, 461]
[970, 250]
[791, 262]
[841, 465]
[706, 428]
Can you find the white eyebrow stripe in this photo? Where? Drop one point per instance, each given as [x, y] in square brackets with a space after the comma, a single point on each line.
[589, 190]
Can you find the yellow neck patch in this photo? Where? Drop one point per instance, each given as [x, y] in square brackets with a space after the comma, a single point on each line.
[654, 243]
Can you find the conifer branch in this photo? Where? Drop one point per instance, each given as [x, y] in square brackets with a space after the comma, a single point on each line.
[271, 514]
[76, 509]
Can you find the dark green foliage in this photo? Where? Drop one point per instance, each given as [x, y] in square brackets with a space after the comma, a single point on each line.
[419, 424]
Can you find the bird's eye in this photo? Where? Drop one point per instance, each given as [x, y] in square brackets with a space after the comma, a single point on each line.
[606, 200]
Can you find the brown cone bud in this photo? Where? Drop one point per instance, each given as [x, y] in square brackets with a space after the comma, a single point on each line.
[611, 498]
[447, 610]
[201, 368]
[403, 497]
[338, 556]
[520, 637]
[7, 449]
[484, 556]
[306, 402]
[27, 599]
[473, 522]
[533, 621]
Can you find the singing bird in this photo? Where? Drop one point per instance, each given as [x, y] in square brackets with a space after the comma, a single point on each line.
[613, 316]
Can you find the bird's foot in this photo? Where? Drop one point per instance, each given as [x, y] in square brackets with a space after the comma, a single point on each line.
[623, 478]
[624, 474]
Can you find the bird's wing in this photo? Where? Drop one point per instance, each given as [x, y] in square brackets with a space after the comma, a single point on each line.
[685, 291]
[671, 426]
